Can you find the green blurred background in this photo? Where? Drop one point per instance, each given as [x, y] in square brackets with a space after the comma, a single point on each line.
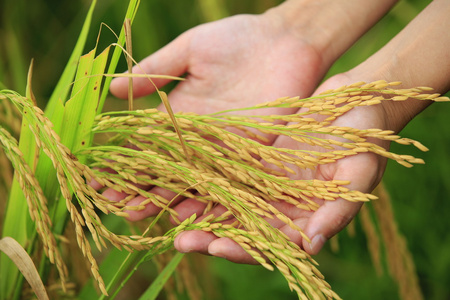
[46, 30]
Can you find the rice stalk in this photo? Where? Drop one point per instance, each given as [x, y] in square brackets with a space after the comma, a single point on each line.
[232, 173]
[373, 240]
[36, 201]
[400, 262]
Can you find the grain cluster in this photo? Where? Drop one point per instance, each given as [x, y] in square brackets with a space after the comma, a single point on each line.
[219, 159]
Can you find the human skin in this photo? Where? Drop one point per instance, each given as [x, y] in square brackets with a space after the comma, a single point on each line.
[248, 59]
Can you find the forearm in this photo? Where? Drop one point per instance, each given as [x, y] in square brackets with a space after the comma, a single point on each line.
[418, 56]
[330, 26]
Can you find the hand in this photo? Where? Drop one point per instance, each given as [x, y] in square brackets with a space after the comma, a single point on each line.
[241, 61]
[364, 171]
[236, 62]
[231, 63]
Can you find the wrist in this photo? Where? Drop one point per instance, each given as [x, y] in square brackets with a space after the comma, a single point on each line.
[328, 26]
[417, 56]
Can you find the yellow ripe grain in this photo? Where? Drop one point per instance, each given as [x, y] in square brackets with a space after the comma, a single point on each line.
[317, 195]
[420, 146]
[367, 86]
[311, 159]
[354, 103]
[352, 137]
[367, 97]
[326, 161]
[357, 84]
[283, 268]
[354, 98]
[343, 109]
[404, 163]
[381, 86]
[340, 182]
[347, 197]
[417, 161]
[361, 199]
[341, 100]
[407, 157]
[441, 99]
[425, 88]
[399, 98]
[315, 108]
[122, 214]
[372, 102]
[328, 106]
[432, 96]
[355, 93]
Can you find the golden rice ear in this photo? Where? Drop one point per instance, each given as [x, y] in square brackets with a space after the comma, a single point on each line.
[36, 201]
[400, 262]
[166, 103]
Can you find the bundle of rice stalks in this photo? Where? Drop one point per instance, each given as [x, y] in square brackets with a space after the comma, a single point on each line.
[219, 159]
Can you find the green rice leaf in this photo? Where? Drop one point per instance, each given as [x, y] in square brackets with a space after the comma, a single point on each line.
[59, 95]
[153, 291]
[17, 212]
[81, 109]
[130, 14]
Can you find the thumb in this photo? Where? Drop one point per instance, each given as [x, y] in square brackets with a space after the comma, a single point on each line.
[169, 60]
[362, 172]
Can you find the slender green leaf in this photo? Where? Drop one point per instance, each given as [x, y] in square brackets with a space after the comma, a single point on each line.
[130, 14]
[16, 211]
[79, 114]
[59, 95]
[153, 291]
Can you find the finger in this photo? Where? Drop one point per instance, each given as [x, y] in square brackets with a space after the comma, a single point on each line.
[230, 250]
[149, 210]
[207, 243]
[329, 219]
[294, 235]
[114, 195]
[169, 60]
[362, 172]
[194, 241]
[187, 208]
[94, 183]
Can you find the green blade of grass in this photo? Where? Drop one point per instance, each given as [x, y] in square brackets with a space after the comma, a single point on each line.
[55, 107]
[74, 137]
[155, 288]
[130, 14]
[16, 211]
[81, 109]
[59, 95]
[79, 115]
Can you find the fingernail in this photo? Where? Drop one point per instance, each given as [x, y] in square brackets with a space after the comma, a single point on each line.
[217, 254]
[215, 251]
[179, 245]
[317, 243]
